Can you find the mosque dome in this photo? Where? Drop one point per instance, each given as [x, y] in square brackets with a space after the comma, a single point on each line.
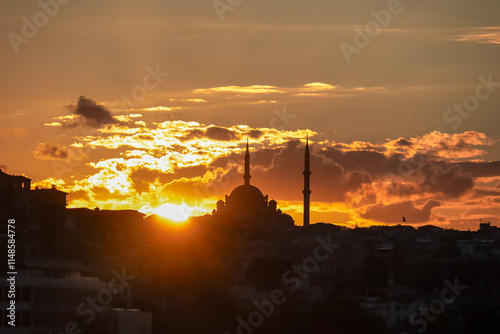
[246, 195]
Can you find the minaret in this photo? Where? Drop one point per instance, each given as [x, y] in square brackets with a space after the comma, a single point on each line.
[247, 176]
[306, 191]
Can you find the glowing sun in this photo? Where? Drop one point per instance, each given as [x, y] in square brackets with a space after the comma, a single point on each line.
[175, 212]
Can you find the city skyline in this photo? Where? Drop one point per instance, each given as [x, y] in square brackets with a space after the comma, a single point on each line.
[400, 106]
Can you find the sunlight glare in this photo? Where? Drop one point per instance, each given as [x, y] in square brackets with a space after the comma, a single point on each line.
[175, 212]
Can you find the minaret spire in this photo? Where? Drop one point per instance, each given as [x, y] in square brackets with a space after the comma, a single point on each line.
[247, 176]
[307, 191]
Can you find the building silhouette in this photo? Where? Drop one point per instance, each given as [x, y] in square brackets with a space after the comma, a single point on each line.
[42, 209]
[14, 196]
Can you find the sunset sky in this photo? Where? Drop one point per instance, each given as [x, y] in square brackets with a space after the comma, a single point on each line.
[148, 105]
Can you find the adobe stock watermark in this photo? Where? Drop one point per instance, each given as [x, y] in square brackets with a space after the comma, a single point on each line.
[139, 93]
[471, 103]
[150, 81]
[102, 299]
[436, 307]
[223, 6]
[292, 279]
[371, 29]
[281, 119]
[31, 27]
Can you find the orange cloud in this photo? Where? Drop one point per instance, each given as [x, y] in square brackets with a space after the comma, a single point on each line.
[255, 89]
[483, 35]
[443, 145]
[309, 89]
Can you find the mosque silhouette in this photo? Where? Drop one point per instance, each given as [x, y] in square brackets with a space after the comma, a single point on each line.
[247, 202]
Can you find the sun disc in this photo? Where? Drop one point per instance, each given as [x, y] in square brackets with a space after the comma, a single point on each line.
[175, 212]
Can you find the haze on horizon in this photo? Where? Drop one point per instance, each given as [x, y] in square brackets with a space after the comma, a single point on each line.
[405, 125]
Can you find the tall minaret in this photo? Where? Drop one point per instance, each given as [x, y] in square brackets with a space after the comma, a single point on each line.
[247, 176]
[306, 191]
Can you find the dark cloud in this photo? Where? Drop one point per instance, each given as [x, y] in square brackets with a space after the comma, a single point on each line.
[89, 113]
[260, 159]
[255, 134]
[212, 132]
[145, 137]
[401, 189]
[375, 163]
[329, 180]
[403, 142]
[482, 169]
[394, 213]
[193, 134]
[263, 157]
[222, 134]
[142, 178]
[450, 181]
[48, 151]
